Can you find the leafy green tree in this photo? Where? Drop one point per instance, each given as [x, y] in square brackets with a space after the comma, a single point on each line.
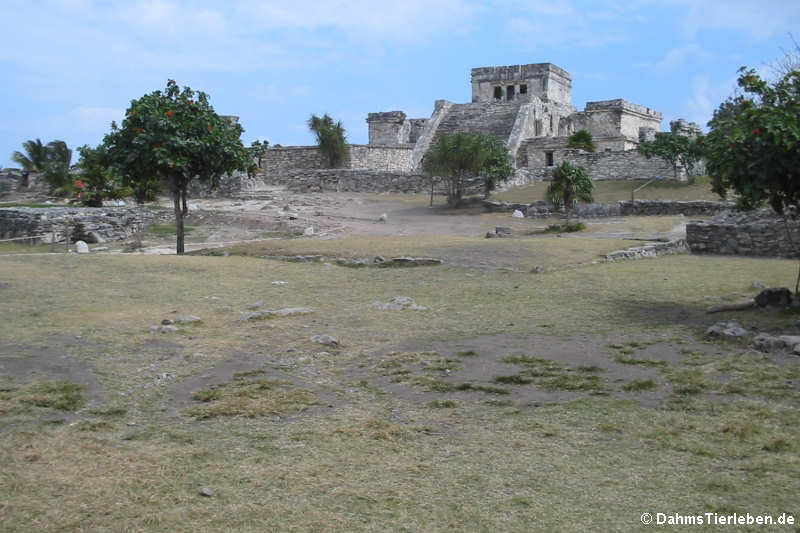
[678, 150]
[582, 140]
[330, 138]
[175, 136]
[35, 157]
[463, 156]
[98, 180]
[753, 144]
[570, 185]
[257, 151]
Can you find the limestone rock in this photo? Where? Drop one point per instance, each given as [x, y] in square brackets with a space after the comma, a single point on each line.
[791, 342]
[309, 231]
[383, 218]
[327, 340]
[729, 329]
[189, 319]
[399, 303]
[517, 214]
[206, 492]
[280, 283]
[292, 311]
[767, 343]
[167, 322]
[774, 297]
[81, 247]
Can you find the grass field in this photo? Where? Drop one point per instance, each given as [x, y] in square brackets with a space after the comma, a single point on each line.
[572, 400]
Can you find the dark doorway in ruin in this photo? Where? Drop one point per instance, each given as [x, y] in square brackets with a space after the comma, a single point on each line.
[548, 159]
[523, 89]
[498, 93]
[510, 92]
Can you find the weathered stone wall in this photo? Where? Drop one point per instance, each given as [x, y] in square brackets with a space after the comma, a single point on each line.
[758, 233]
[542, 209]
[277, 163]
[91, 224]
[280, 165]
[380, 157]
[361, 180]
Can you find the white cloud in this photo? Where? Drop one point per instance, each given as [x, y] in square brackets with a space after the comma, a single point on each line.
[677, 57]
[560, 23]
[362, 19]
[706, 98]
[755, 20]
[97, 120]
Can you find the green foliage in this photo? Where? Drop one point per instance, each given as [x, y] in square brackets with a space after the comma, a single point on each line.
[35, 157]
[582, 140]
[175, 136]
[51, 160]
[457, 158]
[330, 138]
[570, 185]
[98, 179]
[754, 143]
[569, 227]
[679, 151]
[257, 150]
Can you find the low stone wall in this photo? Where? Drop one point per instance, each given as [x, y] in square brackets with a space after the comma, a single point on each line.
[90, 224]
[280, 165]
[339, 180]
[543, 209]
[755, 233]
[697, 208]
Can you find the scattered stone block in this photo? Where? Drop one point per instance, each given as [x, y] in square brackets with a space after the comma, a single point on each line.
[774, 297]
[383, 218]
[189, 319]
[517, 214]
[399, 303]
[81, 247]
[309, 231]
[767, 343]
[280, 283]
[206, 492]
[730, 329]
[327, 340]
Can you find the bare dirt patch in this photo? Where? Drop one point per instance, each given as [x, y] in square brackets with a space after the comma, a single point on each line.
[22, 365]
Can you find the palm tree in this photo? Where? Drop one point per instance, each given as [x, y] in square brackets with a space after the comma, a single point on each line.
[36, 158]
[330, 138]
[58, 152]
[570, 185]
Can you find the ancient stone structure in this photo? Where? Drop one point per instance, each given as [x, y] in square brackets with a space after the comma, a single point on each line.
[756, 233]
[90, 224]
[527, 107]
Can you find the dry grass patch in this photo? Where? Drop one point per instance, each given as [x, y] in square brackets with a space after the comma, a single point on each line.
[251, 397]
[609, 191]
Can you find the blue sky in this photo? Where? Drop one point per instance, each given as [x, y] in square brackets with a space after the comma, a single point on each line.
[70, 67]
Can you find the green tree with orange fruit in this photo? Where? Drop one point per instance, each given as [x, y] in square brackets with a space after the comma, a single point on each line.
[173, 137]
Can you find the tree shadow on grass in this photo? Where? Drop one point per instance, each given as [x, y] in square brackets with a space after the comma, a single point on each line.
[654, 313]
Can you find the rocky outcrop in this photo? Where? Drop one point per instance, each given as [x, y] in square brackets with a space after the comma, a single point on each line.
[90, 224]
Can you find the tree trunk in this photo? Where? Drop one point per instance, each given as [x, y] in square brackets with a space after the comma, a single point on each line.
[176, 200]
[184, 207]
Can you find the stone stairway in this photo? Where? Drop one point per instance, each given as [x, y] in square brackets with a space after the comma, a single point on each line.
[496, 119]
